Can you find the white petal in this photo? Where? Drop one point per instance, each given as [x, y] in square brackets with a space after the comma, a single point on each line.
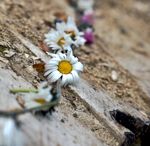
[62, 56]
[67, 47]
[71, 22]
[78, 66]
[57, 59]
[75, 76]
[79, 41]
[73, 59]
[60, 26]
[49, 72]
[64, 79]
[53, 63]
[50, 67]
[67, 79]
[52, 54]
[54, 76]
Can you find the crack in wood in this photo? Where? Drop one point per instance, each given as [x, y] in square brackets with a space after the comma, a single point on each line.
[139, 128]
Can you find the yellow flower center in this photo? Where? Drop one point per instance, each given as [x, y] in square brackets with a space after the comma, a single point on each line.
[40, 100]
[65, 67]
[71, 33]
[61, 42]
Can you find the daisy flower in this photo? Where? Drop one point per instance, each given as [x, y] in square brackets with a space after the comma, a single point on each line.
[58, 40]
[71, 29]
[43, 96]
[65, 67]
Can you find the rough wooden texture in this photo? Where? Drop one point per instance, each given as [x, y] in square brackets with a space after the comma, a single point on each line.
[83, 116]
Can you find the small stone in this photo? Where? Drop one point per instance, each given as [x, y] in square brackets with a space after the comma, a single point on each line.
[26, 55]
[62, 120]
[75, 115]
[114, 75]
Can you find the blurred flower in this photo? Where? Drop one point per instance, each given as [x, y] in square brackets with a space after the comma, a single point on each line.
[85, 4]
[71, 29]
[88, 17]
[89, 35]
[43, 96]
[12, 134]
[65, 67]
[58, 40]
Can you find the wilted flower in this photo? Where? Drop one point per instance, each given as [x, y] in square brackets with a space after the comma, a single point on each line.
[58, 40]
[71, 29]
[43, 96]
[89, 35]
[65, 67]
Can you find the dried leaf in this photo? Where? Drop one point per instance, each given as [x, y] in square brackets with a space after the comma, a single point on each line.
[20, 101]
[61, 15]
[39, 67]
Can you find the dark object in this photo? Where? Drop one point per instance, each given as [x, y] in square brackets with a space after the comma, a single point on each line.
[130, 138]
[44, 113]
[57, 21]
[140, 129]
[84, 26]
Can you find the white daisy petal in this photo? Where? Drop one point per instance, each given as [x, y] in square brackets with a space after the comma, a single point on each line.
[68, 48]
[78, 66]
[52, 62]
[62, 56]
[73, 59]
[64, 78]
[49, 67]
[54, 76]
[75, 76]
[60, 26]
[49, 72]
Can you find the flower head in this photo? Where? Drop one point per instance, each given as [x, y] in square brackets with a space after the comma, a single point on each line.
[65, 67]
[71, 29]
[43, 96]
[58, 40]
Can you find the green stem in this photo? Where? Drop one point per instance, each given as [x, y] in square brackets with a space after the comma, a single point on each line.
[38, 108]
[23, 90]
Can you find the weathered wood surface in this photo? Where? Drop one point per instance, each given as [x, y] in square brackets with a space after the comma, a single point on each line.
[83, 116]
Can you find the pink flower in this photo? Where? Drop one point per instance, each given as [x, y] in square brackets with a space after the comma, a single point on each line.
[88, 17]
[89, 36]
